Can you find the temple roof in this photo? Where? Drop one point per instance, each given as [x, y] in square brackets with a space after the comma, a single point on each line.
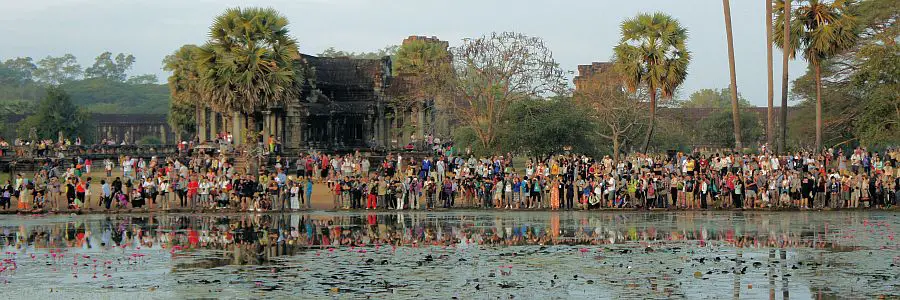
[348, 72]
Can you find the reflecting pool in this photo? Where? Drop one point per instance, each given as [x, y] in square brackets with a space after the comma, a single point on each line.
[462, 254]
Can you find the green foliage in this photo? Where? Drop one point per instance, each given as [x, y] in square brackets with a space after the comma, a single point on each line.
[58, 70]
[390, 50]
[249, 61]
[878, 81]
[181, 118]
[102, 95]
[18, 71]
[859, 87]
[712, 98]
[717, 129]
[17, 80]
[107, 68]
[56, 113]
[419, 57]
[493, 72]
[422, 70]
[538, 127]
[149, 140]
[143, 79]
[653, 53]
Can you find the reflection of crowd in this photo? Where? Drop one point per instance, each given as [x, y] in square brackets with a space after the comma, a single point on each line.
[252, 239]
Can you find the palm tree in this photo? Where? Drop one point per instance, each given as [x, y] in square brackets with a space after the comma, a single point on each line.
[786, 38]
[770, 112]
[249, 63]
[652, 54]
[183, 83]
[829, 29]
[735, 113]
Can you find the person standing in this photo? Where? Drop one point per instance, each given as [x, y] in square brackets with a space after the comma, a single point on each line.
[308, 190]
[295, 195]
[106, 193]
[554, 195]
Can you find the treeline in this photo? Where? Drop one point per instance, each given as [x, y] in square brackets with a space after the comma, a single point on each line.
[103, 87]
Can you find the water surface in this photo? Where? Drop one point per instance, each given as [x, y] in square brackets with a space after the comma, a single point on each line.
[463, 254]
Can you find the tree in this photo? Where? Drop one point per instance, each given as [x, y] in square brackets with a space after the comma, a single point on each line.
[390, 50]
[57, 70]
[716, 129]
[56, 113]
[182, 119]
[105, 67]
[248, 62]
[422, 70]
[184, 89]
[20, 71]
[101, 95]
[538, 127]
[770, 92]
[143, 79]
[712, 98]
[493, 72]
[619, 114]
[786, 38]
[18, 74]
[829, 29]
[860, 84]
[652, 54]
[738, 145]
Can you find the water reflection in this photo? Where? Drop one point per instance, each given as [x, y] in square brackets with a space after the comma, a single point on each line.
[468, 253]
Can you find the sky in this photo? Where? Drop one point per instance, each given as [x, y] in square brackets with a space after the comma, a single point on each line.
[577, 31]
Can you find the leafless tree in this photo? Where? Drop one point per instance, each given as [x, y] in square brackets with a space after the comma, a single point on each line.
[494, 71]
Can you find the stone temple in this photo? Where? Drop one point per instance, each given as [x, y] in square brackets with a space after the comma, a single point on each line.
[346, 104]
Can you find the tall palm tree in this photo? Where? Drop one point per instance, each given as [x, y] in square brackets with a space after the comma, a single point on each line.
[652, 54]
[183, 83]
[829, 29]
[770, 112]
[786, 38]
[248, 63]
[735, 112]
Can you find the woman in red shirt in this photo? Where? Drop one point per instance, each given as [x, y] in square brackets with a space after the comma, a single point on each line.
[192, 191]
[337, 194]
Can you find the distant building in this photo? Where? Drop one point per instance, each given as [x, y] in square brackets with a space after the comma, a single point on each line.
[348, 105]
[130, 128]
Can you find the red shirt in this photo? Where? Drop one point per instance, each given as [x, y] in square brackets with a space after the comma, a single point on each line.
[193, 186]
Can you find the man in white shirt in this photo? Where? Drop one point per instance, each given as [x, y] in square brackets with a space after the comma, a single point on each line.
[127, 167]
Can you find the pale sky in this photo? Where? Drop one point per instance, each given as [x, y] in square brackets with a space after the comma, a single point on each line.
[578, 32]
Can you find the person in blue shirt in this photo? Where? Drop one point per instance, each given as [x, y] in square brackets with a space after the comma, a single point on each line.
[107, 193]
[308, 189]
[516, 191]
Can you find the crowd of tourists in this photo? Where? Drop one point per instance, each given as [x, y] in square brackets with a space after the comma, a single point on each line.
[803, 180]
[444, 179]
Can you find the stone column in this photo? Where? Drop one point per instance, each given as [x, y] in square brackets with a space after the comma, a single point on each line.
[162, 135]
[279, 127]
[265, 121]
[201, 124]
[329, 131]
[213, 125]
[420, 128]
[236, 130]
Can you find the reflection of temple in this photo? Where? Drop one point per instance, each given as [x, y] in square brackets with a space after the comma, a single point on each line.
[346, 104]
